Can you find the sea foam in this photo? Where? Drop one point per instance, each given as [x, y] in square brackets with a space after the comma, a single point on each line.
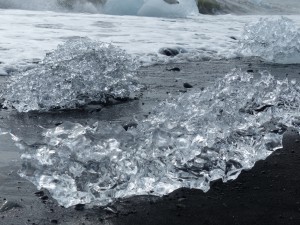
[187, 141]
[78, 72]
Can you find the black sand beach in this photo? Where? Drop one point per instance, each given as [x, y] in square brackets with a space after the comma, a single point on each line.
[267, 194]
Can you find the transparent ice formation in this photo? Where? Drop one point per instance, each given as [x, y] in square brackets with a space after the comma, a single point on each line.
[76, 73]
[273, 40]
[187, 141]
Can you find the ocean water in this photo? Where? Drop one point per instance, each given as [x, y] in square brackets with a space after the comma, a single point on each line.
[25, 39]
[65, 54]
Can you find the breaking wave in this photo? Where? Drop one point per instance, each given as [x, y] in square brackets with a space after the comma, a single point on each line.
[188, 141]
[76, 73]
[273, 40]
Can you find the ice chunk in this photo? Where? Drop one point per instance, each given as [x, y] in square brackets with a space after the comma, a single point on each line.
[160, 8]
[187, 141]
[154, 8]
[273, 40]
[76, 73]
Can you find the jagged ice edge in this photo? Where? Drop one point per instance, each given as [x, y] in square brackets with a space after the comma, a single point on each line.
[78, 72]
[188, 141]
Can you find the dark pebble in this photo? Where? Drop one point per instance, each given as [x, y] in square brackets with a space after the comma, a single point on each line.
[79, 207]
[172, 51]
[187, 85]
[44, 197]
[54, 221]
[39, 193]
[175, 69]
[130, 125]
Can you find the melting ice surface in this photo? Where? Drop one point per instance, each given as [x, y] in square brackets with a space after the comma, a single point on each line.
[76, 73]
[156, 8]
[273, 40]
[187, 141]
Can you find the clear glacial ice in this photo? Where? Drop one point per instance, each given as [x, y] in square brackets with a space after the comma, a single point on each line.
[188, 141]
[78, 72]
[275, 40]
[152, 8]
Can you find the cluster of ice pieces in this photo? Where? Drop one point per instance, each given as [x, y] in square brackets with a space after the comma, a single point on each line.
[274, 40]
[76, 73]
[187, 141]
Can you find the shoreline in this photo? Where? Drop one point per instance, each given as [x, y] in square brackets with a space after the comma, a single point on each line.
[250, 199]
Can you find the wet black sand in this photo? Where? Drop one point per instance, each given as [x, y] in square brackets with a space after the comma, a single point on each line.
[267, 194]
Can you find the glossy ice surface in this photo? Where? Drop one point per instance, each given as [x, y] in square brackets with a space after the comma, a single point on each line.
[187, 141]
[78, 72]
